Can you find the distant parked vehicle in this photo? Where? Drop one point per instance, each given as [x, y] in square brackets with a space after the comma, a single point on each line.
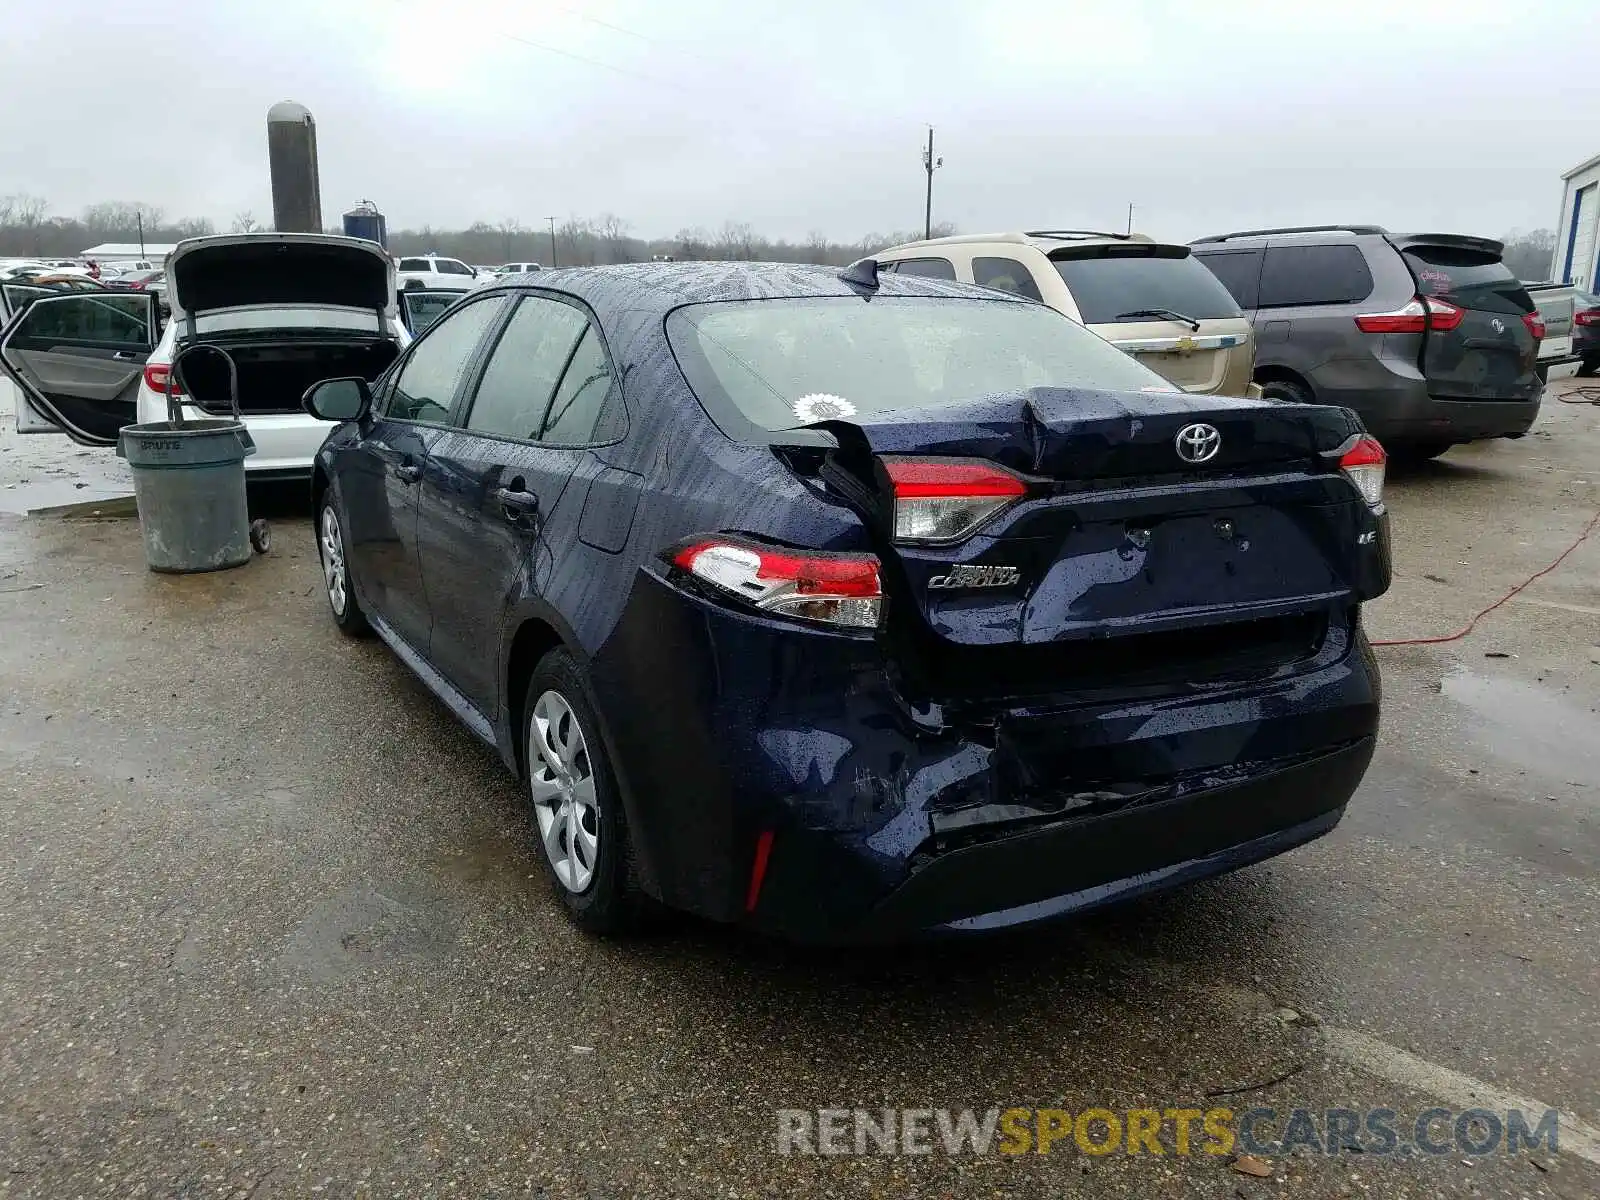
[1557, 305]
[1427, 336]
[1586, 332]
[290, 308]
[517, 268]
[1147, 298]
[430, 270]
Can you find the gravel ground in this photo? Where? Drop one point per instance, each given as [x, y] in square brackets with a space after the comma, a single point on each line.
[271, 924]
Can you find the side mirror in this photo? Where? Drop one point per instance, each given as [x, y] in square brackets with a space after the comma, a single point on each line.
[338, 399]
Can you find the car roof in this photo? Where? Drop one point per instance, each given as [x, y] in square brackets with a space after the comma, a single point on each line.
[1044, 240]
[665, 286]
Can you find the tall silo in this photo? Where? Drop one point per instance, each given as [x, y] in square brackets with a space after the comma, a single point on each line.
[292, 153]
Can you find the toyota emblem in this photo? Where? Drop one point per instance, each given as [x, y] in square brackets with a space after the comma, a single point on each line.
[1197, 443]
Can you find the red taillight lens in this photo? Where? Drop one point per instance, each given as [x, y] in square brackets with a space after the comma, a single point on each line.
[1363, 465]
[945, 500]
[157, 376]
[838, 589]
[1589, 316]
[1535, 324]
[1421, 314]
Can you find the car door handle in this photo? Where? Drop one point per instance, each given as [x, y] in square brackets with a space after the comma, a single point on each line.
[408, 472]
[516, 503]
[123, 356]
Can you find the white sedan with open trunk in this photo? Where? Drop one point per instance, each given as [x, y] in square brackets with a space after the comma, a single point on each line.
[291, 309]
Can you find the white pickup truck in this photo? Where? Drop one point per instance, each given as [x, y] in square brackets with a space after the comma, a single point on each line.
[1556, 303]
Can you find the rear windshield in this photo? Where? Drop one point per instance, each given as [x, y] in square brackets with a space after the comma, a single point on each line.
[1123, 283]
[785, 363]
[1469, 278]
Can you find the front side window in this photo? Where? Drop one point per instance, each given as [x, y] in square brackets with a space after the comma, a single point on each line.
[524, 368]
[449, 266]
[426, 386]
[106, 320]
[1005, 275]
[780, 364]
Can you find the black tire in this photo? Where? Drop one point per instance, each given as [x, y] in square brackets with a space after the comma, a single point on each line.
[610, 902]
[352, 622]
[1588, 367]
[1416, 452]
[1284, 389]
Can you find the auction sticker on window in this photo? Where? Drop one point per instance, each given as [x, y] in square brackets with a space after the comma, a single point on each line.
[823, 406]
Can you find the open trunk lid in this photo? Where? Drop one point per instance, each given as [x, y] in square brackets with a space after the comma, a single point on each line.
[293, 270]
[1153, 514]
[1486, 350]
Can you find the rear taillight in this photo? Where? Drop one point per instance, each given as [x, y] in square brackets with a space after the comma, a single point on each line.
[1589, 316]
[944, 500]
[838, 589]
[1421, 314]
[1363, 465]
[157, 376]
[1535, 324]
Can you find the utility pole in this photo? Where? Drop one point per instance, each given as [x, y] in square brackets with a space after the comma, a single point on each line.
[139, 218]
[1130, 220]
[930, 164]
[553, 263]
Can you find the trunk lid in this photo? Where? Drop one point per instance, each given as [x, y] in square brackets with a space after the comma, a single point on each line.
[1120, 548]
[292, 270]
[1491, 354]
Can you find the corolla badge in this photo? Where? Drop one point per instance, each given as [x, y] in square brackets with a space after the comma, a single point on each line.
[977, 575]
[1198, 443]
[1497, 325]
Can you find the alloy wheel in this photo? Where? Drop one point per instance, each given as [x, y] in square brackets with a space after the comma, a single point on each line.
[561, 778]
[333, 570]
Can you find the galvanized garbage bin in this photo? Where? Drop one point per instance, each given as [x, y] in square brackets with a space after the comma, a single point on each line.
[188, 480]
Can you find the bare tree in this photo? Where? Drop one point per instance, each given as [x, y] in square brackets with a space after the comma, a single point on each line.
[577, 242]
[692, 245]
[612, 231]
[1530, 255]
[817, 246]
[28, 211]
[510, 230]
[736, 241]
[191, 227]
[245, 222]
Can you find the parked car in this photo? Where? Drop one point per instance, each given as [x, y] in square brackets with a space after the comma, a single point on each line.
[290, 308]
[429, 270]
[1147, 298]
[517, 268]
[1586, 332]
[861, 605]
[1428, 336]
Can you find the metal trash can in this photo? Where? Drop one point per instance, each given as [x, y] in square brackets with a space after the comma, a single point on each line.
[188, 481]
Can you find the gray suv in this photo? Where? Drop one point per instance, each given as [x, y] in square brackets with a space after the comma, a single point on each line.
[1428, 336]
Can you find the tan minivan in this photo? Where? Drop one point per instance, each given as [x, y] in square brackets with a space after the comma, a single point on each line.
[1148, 298]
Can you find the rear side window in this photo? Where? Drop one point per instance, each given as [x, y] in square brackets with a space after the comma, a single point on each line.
[928, 268]
[1469, 278]
[781, 364]
[1237, 270]
[581, 396]
[414, 264]
[1133, 282]
[1300, 275]
[1005, 275]
[523, 370]
[427, 384]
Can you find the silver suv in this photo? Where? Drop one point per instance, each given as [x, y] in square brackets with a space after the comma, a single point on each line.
[1428, 336]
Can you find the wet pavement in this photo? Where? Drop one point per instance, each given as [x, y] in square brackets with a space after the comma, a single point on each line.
[271, 922]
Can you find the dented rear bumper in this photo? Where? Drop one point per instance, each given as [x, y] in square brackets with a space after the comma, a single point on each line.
[887, 819]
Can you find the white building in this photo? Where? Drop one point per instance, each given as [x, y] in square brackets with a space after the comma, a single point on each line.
[1578, 230]
[112, 252]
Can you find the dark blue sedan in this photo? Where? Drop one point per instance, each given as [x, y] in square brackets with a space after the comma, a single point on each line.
[855, 605]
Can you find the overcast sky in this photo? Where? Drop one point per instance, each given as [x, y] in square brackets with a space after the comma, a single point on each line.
[1455, 116]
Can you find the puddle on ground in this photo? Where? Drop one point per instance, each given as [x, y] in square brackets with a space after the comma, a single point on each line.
[1529, 725]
